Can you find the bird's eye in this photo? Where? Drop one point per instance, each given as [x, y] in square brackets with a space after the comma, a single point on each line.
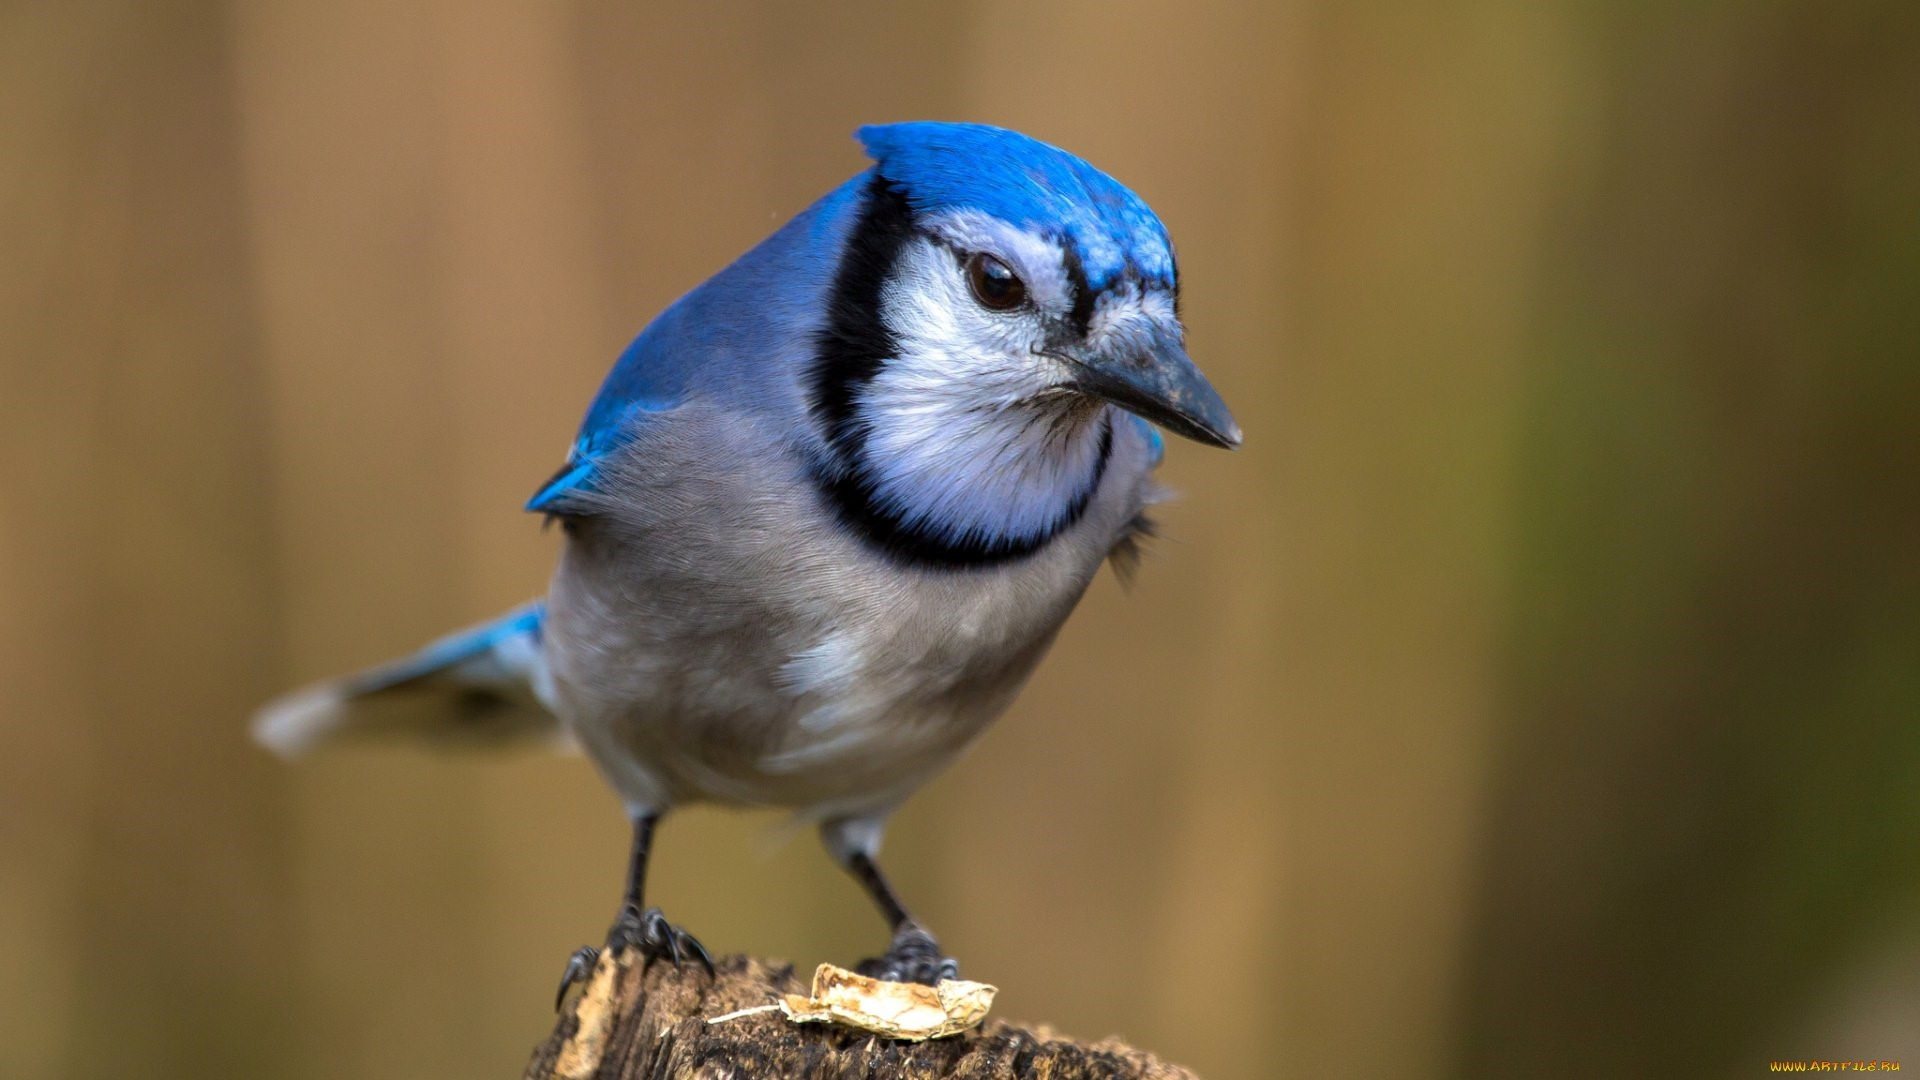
[995, 285]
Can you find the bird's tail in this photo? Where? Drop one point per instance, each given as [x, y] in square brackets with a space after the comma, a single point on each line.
[486, 684]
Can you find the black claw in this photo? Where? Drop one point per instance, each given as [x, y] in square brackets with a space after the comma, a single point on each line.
[700, 952]
[914, 957]
[649, 932]
[579, 967]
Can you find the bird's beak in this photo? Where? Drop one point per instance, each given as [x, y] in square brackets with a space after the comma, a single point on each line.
[1159, 383]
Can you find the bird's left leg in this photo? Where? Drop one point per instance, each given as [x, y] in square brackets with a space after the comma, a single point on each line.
[637, 926]
[914, 955]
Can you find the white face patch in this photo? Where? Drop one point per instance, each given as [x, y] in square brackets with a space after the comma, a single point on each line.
[1127, 317]
[1036, 259]
[969, 433]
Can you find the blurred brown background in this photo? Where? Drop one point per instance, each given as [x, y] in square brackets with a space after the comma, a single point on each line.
[1535, 694]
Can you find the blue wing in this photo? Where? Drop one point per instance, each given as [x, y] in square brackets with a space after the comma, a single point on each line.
[650, 377]
[737, 334]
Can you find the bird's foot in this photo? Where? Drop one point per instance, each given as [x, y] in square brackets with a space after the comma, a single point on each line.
[913, 957]
[647, 931]
[656, 938]
[579, 969]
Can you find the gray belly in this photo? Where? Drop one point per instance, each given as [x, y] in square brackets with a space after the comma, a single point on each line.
[804, 693]
[718, 638]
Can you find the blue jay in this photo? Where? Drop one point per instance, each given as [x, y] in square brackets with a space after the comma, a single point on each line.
[830, 508]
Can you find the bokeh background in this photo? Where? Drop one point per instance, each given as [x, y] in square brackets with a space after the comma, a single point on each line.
[1535, 694]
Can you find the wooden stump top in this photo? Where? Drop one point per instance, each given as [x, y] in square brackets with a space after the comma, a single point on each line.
[635, 1020]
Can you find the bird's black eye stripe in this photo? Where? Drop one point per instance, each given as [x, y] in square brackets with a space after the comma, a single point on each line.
[1082, 314]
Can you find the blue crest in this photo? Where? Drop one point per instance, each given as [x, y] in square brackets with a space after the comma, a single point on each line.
[940, 166]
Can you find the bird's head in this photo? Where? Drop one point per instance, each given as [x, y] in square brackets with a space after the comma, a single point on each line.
[994, 294]
[991, 258]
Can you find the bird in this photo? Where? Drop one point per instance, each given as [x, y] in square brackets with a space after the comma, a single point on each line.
[829, 509]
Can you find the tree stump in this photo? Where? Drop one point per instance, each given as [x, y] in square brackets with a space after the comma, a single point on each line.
[640, 1021]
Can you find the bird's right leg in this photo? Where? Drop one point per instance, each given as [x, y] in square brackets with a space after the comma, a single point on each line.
[913, 955]
[637, 926]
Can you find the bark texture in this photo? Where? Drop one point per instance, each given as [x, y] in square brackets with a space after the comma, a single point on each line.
[635, 1020]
